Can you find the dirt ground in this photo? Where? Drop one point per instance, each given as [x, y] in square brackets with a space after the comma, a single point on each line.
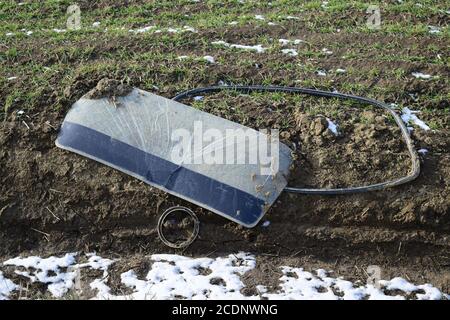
[53, 201]
[58, 201]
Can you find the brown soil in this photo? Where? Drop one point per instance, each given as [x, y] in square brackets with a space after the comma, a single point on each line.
[108, 88]
[53, 201]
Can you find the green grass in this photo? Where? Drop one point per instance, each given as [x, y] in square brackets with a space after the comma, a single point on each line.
[46, 63]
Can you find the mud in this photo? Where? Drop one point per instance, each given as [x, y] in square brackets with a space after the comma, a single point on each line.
[108, 88]
[53, 200]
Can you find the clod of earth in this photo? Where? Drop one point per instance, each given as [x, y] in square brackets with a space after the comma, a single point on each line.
[108, 88]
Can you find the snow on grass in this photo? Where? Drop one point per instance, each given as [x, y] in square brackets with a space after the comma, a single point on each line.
[339, 70]
[190, 29]
[259, 17]
[290, 52]
[285, 42]
[6, 287]
[303, 285]
[409, 116]
[420, 75]
[47, 271]
[50, 270]
[326, 51]
[177, 277]
[424, 292]
[258, 48]
[434, 29]
[142, 30]
[96, 24]
[174, 276]
[96, 262]
[210, 59]
[169, 30]
[321, 73]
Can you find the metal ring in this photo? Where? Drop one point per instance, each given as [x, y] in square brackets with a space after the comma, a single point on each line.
[191, 239]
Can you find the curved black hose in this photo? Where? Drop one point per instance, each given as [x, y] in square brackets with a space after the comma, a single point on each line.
[415, 164]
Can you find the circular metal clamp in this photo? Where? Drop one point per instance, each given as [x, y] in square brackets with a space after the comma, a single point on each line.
[165, 222]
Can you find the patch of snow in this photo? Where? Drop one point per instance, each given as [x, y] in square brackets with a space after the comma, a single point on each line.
[258, 48]
[142, 30]
[292, 18]
[291, 52]
[20, 112]
[190, 29]
[6, 287]
[430, 292]
[9, 34]
[173, 277]
[259, 17]
[302, 285]
[285, 42]
[182, 57]
[422, 151]
[210, 59]
[339, 70]
[49, 270]
[233, 23]
[420, 75]
[434, 30]
[199, 98]
[326, 51]
[59, 30]
[266, 224]
[272, 24]
[103, 290]
[11, 78]
[96, 24]
[409, 116]
[29, 33]
[333, 127]
[59, 282]
[96, 262]
[321, 73]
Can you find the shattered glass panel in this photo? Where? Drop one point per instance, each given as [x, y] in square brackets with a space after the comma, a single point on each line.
[232, 170]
